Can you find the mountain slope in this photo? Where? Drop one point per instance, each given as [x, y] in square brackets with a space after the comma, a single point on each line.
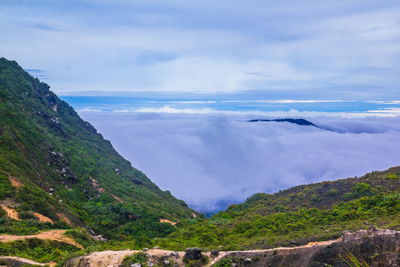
[299, 215]
[55, 164]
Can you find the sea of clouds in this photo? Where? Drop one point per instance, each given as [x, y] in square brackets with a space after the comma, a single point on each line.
[211, 160]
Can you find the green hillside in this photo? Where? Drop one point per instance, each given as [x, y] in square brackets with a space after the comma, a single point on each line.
[56, 164]
[298, 215]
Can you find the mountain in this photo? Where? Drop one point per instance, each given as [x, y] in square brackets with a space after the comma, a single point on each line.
[298, 215]
[301, 122]
[57, 171]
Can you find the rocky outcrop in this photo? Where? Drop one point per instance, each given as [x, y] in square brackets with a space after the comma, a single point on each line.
[375, 247]
[192, 254]
[156, 257]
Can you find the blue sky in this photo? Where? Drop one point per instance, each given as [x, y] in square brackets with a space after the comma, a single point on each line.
[306, 49]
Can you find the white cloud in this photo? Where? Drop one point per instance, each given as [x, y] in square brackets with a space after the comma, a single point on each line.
[387, 112]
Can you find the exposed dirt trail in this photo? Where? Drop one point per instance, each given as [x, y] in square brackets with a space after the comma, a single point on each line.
[55, 235]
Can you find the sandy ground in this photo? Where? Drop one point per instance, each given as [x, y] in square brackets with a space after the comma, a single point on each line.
[15, 182]
[64, 218]
[56, 235]
[167, 221]
[13, 214]
[42, 218]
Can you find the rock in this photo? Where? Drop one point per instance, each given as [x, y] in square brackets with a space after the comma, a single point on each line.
[192, 254]
[166, 262]
[156, 247]
[145, 249]
[214, 253]
[150, 264]
[136, 265]
[174, 254]
[247, 260]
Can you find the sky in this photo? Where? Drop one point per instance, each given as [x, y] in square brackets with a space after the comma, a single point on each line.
[172, 84]
[307, 49]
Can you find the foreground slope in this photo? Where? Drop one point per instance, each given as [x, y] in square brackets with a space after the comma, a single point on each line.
[56, 171]
[361, 248]
[299, 215]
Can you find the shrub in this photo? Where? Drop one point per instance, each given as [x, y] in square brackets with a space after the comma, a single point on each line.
[393, 176]
[360, 190]
[135, 258]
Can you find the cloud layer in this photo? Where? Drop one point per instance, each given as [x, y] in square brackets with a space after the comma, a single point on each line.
[210, 160]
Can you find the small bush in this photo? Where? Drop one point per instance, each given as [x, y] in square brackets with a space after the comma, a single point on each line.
[135, 258]
[332, 192]
[393, 176]
[197, 263]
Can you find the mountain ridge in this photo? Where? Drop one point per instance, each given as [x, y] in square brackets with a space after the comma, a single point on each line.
[67, 171]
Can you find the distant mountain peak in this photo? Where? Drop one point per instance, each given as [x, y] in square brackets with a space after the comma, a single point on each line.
[300, 121]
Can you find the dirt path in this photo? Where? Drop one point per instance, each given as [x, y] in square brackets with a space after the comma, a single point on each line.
[23, 261]
[55, 235]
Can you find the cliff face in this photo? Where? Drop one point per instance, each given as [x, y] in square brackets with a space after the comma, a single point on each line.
[374, 247]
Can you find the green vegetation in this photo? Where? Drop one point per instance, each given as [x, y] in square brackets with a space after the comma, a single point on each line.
[40, 250]
[297, 215]
[197, 263]
[352, 261]
[135, 258]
